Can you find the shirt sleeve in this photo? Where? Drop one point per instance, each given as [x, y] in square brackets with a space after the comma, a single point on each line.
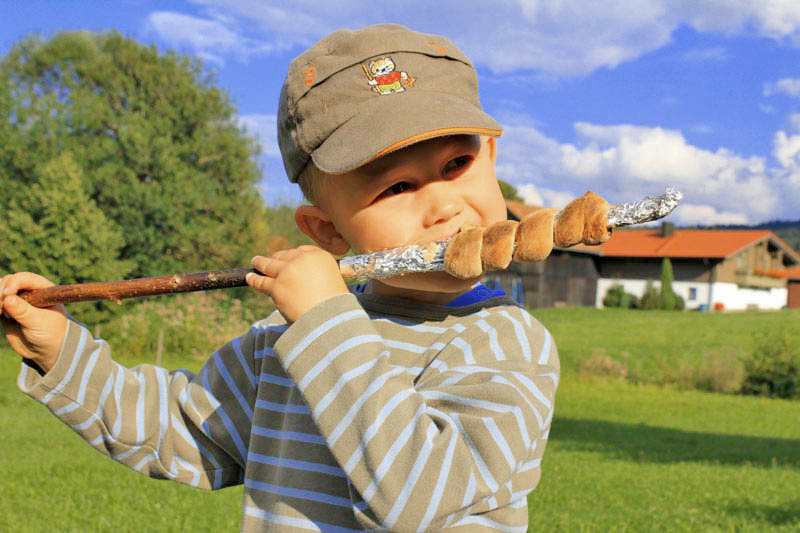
[177, 425]
[437, 450]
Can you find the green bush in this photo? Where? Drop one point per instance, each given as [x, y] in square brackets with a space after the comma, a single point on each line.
[617, 297]
[651, 299]
[773, 368]
[658, 299]
[183, 326]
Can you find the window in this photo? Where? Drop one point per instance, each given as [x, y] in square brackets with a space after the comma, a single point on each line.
[692, 293]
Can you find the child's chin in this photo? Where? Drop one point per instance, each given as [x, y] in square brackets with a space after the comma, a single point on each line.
[434, 282]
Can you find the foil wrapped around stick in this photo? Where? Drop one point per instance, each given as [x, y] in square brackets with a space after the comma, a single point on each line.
[430, 257]
[388, 263]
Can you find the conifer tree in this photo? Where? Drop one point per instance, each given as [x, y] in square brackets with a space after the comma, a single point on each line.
[668, 300]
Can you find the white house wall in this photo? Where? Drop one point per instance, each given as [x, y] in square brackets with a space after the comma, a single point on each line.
[730, 295]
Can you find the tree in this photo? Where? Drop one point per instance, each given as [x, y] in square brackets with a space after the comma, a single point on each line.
[158, 176]
[57, 231]
[667, 295]
[509, 191]
[663, 298]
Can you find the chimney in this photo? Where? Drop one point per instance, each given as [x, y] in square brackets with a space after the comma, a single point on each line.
[667, 228]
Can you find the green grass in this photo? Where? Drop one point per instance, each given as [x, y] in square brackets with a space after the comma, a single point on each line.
[620, 457]
[53, 481]
[625, 458]
[654, 344]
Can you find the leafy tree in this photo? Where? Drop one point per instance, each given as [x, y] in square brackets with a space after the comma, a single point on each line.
[58, 231]
[148, 170]
[509, 191]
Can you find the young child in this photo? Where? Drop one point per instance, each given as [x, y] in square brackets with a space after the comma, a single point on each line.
[422, 403]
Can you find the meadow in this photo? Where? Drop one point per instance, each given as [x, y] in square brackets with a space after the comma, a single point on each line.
[639, 450]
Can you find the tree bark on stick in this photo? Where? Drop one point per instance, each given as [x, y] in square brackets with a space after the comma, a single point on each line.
[133, 288]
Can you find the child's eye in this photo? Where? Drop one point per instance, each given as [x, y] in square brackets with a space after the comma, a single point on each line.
[397, 188]
[457, 163]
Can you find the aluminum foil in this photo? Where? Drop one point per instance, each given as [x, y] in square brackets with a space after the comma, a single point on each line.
[430, 257]
[647, 209]
[395, 262]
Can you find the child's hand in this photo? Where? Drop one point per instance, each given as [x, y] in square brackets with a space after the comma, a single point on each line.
[297, 279]
[34, 333]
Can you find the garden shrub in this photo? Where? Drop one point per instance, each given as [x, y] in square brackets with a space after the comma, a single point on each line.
[617, 297]
[189, 325]
[773, 368]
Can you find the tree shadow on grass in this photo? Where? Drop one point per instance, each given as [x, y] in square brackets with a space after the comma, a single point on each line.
[645, 443]
[781, 515]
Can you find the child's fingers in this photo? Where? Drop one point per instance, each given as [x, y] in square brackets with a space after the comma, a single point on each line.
[16, 308]
[26, 280]
[269, 266]
[260, 283]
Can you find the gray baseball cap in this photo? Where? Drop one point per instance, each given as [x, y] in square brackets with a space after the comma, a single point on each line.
[357, 95]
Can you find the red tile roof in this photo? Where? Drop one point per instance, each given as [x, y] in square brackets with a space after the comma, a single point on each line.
[711, 243]
[686, 243]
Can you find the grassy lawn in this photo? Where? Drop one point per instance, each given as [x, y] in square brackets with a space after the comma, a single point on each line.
[654, 344]
[620, 457]
[625, 458]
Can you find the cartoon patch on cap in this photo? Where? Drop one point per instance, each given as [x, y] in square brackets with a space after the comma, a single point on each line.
[383, 77]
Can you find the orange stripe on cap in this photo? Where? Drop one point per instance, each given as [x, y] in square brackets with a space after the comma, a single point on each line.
[435, 133]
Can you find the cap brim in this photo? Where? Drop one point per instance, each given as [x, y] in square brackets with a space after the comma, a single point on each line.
[394, 121]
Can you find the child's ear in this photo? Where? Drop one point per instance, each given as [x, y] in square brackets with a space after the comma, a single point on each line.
[315, 223]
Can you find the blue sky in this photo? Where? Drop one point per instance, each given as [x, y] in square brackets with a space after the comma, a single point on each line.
[623, 97]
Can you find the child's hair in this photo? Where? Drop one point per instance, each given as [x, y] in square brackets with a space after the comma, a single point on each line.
[307, 180]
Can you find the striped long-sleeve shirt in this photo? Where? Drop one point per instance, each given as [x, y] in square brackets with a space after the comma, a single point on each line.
[367, 413]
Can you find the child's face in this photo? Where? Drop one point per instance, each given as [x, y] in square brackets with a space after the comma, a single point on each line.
[420, 194]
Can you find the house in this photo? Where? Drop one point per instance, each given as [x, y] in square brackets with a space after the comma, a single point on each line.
[713, 268]
[792, 277]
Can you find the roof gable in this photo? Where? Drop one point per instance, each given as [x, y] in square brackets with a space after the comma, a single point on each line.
[688, 243]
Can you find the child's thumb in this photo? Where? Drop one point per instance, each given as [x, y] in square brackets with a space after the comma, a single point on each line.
[19, 310]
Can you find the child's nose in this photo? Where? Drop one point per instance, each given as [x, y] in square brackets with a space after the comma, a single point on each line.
[441, 203]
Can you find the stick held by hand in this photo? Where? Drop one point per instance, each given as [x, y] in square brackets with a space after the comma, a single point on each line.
[132, 288]
[387, 263]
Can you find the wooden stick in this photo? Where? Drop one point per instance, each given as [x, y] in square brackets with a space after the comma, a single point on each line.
[133, 288]
[375, 265]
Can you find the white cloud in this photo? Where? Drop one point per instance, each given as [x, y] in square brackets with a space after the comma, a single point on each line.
[264, 128]
[626, 162]
[568, 37]
[213, 40]
[787, 86]
[706, 215]
[540, 196]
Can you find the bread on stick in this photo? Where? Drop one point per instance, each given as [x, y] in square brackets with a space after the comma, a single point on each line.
[584, 220]
[498, 245]
[535, 235]
[462, 259]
